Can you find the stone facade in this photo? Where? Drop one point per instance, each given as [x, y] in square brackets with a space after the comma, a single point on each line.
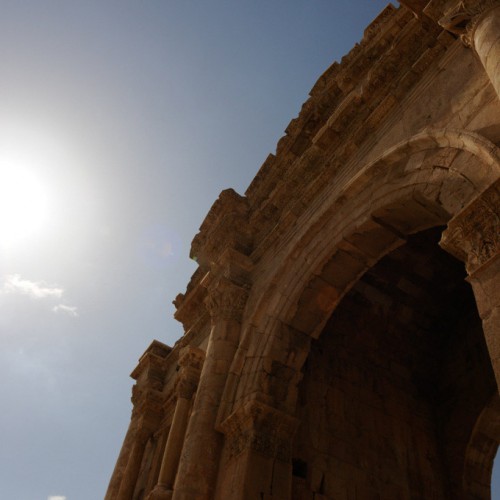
[342, 331]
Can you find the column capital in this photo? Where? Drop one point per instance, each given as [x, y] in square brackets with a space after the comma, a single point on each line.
[191, 357]
[473, 235]
[464, 18]
[190, 364]
[225, 299]
[148, 408]
[258, 427]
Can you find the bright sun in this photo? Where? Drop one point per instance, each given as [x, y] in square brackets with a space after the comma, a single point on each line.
[23, 205]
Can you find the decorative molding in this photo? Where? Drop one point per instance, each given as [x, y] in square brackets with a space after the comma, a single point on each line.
[190, 364]
[473, 235]
[191, 311]
[226, 300]
[225, 226]
[191, 357]
[464, 19]
[187, 386]
[152, 366]
[260, 428]
[146, 399]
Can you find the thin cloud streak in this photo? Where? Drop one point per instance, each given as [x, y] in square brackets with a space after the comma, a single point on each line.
[37, 289]
[63, 308]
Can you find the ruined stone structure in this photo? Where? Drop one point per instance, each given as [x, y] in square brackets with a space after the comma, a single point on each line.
[342, 331]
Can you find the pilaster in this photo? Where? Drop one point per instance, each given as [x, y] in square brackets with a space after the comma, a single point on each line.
[473, 236]
[147, 401]
[189, 368]
[257, 453]
[200, 455]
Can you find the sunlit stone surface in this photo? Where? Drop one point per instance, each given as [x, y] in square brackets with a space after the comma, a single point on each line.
[342, 331]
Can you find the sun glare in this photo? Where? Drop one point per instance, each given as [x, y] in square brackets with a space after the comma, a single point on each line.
[23, 205]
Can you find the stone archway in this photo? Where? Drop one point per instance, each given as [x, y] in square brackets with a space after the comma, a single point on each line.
[409, 189]
[319, 217]
[394, 384]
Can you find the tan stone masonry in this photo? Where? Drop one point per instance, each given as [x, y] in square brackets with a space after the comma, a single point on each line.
[342, 332]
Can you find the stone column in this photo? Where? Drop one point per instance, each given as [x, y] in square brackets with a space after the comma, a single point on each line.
[478, 24]
[473, 236]
[190, 363]
[484, 33]
[200, 455]
[257, 453]
[147, 415]
[147, 399]
[131, 472]
[121, 463]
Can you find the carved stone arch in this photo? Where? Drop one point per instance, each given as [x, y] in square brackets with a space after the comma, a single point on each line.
[402, 192]
[398, 196]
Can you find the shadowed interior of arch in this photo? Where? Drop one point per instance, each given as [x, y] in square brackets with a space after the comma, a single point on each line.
[397, 390]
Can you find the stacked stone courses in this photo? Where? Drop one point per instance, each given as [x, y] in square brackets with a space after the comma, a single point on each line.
[342, 331]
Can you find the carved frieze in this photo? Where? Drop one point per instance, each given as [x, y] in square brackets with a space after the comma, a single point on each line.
[150, 371]
[260, 428]
[225, 226]
[473, 235]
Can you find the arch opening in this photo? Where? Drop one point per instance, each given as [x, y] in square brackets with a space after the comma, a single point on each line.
[395, 388]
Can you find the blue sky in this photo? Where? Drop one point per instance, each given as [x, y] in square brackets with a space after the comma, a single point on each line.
[133, 116]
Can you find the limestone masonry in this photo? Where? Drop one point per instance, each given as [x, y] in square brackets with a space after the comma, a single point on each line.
[342, 331]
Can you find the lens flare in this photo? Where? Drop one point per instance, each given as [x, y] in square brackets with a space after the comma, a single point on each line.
[23, 205]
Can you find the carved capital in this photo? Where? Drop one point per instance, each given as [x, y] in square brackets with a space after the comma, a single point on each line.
[473, 235]
[186, 386]
[463, 20]
[260, 428]
[226, 300]
[148, 407]
[191, 357]
[187, 383]
[189, 368]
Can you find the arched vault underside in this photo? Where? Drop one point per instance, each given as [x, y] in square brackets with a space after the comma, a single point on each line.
[393, 387]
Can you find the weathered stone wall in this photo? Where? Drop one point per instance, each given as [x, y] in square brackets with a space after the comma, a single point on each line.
[331, 350]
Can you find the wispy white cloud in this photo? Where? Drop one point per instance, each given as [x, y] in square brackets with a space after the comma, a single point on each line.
[56, 497]
[38, 289]
[63, 308]
[14, 284]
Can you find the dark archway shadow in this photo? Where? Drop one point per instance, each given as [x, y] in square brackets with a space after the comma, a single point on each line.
[396, 395]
